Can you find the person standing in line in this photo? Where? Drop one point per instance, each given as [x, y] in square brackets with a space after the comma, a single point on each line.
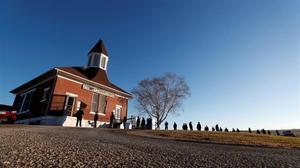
[184, 126]
[199, 126]
[166, 125]
[124, 121]
[175, 126]
[138, 122]
[191, 126]
[95, 120]
[143, 123]
[79, 115]
[112, 118]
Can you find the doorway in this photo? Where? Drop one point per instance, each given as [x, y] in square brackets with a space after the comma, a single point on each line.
[70, 101]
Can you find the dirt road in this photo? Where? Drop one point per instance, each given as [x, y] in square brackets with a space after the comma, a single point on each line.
[50, 146]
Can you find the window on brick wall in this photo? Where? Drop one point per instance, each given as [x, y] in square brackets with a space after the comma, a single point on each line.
[46, 94]
[98, 103]
[95, 101]
[102, 104]
[118, 111]
[24, 102]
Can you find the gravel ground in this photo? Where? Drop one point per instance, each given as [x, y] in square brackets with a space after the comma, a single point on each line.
[50, 146]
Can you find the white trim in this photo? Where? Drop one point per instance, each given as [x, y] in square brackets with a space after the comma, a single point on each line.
[59, 76]
[92, 81]
[92, 112]
[74, 96]
[71, 94]
[98, 90]
[24, 99]
[106, 61]
[121, 96]
[28, 91]
[44, 98]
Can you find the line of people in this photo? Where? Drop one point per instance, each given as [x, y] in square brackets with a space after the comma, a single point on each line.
[184, 126]
[141, 124]
[216, 128]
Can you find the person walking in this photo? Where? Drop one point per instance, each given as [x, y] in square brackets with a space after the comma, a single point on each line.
[79, 115]
[175, 126]
[95, 120]
[199, 126]
[111, 121]
[124, 121]
[191, 126]
[166, 125]
[143, 123]
[138, 122]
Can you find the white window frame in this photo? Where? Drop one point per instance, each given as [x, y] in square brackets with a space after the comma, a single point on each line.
[46, 90]
[106, 60]
[118, 107]
[67, 100]
[93, 112]
[24, 99]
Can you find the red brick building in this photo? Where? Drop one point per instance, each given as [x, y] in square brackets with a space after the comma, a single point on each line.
[54, 97]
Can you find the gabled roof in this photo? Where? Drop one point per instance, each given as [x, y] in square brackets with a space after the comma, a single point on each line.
[49, 74]
[93, 74]
[99, 48]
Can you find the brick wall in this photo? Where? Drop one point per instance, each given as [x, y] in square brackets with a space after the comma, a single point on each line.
[63, 86]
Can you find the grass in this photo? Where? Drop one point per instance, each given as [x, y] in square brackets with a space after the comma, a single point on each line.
[233, 138]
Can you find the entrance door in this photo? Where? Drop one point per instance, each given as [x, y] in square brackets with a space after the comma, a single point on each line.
[70, 105]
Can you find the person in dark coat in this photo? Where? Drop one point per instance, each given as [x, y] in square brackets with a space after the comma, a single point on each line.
[111, 120]
[138, 122]
[175, 126]
[191, 126]
[143, 123]
[124, 121]
[150, 123]
[206, 128]
[199, 126]
[184, 126]
[166, 125]
[95, 120]
[79, 115]
[217, 127]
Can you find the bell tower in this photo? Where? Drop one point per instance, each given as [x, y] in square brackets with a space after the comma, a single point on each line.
[98, 56]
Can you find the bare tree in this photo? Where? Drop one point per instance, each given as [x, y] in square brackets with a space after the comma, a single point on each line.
[160, 96]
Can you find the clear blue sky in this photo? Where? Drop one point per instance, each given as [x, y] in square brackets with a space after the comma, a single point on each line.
[240, 58]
